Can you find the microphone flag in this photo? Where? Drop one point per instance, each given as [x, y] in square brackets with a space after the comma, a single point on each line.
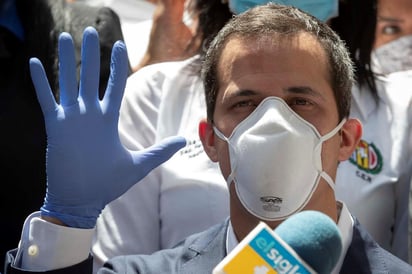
[262, 251]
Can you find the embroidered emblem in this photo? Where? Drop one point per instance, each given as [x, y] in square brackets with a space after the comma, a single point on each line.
[367, 157]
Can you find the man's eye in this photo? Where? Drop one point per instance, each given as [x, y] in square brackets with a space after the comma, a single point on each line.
[391, 30]
[299, 102]
[244, 104]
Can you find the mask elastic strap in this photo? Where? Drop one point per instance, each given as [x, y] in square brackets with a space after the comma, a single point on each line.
[333, 131]
[325, 137]
[219, 134]
[329, 135]
[328, 179]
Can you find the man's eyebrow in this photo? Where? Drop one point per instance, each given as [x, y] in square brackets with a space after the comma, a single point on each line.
[303, 90]
[243, 92]
[389, 19]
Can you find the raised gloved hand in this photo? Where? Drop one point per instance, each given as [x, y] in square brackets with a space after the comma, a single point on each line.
[87, 166]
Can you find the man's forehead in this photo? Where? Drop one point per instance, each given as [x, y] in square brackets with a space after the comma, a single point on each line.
[278, 48]
[252, 44]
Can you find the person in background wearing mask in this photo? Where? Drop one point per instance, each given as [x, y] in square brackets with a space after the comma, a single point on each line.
[187, 194]
[259, 77]
[393, 37]
[375, 182]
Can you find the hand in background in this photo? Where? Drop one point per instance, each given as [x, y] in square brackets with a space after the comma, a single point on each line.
[87, 166]
[170, 38]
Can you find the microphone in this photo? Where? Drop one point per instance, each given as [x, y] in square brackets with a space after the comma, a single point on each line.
[306, 242]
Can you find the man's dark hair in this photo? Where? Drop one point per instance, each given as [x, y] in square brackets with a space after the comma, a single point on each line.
[272, 19]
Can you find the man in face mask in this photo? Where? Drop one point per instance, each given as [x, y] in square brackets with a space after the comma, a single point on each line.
[277, 89]
[279, 126]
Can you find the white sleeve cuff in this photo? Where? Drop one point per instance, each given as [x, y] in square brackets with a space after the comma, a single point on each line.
[45, 246]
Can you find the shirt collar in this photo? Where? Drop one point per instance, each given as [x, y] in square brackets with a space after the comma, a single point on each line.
[345, 225]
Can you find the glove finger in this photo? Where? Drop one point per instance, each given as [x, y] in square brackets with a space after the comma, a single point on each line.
[41, 84]
[118, 75]
[67, 76]
[148, 159]
[90, 70]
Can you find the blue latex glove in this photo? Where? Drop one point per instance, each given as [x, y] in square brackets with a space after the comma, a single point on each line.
[87, 166]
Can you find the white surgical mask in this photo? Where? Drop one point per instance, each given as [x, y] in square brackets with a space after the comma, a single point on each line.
[275, 160]
[322, 9]
[393, 57]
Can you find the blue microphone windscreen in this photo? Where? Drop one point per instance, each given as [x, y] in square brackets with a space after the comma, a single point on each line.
[315, 237]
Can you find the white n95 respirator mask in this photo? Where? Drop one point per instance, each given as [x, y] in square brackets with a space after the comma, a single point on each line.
[275, 160]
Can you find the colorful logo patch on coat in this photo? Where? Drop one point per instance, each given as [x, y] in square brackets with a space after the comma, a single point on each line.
[367, 157]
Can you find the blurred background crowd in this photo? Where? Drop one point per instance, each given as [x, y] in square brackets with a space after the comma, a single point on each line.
[166, 41]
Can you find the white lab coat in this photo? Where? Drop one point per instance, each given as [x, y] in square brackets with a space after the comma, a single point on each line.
[375, 182]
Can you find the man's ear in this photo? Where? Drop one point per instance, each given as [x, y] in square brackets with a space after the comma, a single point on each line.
[351, 134]
[207, 136]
